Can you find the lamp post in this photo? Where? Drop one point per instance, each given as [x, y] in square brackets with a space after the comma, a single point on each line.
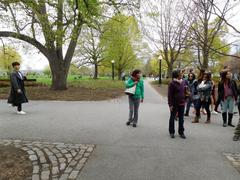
[160, 69]
[113, 69]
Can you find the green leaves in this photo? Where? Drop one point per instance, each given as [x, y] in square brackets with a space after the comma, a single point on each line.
[8, 55]
[120, 37]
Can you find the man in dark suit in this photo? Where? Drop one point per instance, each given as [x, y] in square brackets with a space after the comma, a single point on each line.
[17, 95]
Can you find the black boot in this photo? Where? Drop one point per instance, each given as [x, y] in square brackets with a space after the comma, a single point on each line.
[230, 116]
[224, 116]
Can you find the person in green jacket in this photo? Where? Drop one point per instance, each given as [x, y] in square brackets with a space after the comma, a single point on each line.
[135, 99]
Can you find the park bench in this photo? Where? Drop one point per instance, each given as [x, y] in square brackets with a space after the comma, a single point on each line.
[28, 82]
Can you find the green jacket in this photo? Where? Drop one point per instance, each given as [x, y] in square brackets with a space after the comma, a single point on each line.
[139, 93]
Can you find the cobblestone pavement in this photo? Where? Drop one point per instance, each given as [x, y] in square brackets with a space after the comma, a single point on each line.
[54, 161]
[234, 158]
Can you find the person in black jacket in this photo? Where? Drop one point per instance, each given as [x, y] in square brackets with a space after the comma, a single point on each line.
[227, 91]
[17, 95]
[203, 98]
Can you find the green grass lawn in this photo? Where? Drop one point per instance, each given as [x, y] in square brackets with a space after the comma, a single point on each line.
[86, 82]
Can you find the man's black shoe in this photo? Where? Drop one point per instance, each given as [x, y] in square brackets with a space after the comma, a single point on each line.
[182, 136]
[134, 125]
[172, 136]
[128, 123]
[231, 125]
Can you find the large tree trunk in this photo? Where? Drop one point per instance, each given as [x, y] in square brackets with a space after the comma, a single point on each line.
[119, 74]
[95, 71]
[59, 75]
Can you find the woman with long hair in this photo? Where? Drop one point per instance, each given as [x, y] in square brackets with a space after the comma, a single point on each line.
[191, 82]
[136, 98]
[204, 89]
[227, 91]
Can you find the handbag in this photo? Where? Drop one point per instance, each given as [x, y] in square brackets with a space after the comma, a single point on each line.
[130, 91]
[187, 92]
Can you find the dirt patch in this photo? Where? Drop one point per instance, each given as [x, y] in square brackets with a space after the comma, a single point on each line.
[72, 94]
[14, 164]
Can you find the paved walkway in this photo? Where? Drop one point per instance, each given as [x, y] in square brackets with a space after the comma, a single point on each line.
[125, 153]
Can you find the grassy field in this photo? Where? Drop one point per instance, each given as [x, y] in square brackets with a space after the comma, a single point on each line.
[85, 82]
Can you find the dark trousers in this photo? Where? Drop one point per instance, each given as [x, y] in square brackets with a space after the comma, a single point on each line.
[133, 109]
[180, 111]
[189, 103]
[205, 105]
[19, 107]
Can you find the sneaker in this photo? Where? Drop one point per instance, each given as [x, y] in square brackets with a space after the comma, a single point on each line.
[134, 125]
[224, 124]
[231, 125]
[182, 136]
[214, 112]
[21, 112]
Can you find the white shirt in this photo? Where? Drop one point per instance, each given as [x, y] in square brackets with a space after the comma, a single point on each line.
[20, 74]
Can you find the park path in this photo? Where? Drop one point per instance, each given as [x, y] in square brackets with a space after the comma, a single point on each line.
[126, 153]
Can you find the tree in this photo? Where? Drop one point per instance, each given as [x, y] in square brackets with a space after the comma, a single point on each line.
[118, 41]
[8, 55]
[53, 27]
[167, 27]
[206, 29]
[89, 51]
[56, 23]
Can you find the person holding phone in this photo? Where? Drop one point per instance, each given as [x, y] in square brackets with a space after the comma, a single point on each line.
[136, 98]
[17, 95]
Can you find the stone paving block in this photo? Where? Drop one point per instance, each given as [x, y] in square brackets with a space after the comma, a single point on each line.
[35, 177]
[33, 157]
[73, 175]
[45, 175]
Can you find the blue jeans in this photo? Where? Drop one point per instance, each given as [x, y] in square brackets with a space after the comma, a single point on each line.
[180, 111]
[228, 105]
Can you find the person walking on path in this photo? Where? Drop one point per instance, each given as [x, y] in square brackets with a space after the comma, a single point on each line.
[176, 102]
[17, 95]
[204, 89]
[227, 90]
[136, 98]
[192, 83]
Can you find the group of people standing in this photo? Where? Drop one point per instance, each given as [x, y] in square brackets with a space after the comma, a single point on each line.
[200, 92]
[182, 92]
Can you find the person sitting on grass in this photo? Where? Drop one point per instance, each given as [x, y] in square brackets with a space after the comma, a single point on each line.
[176, 102]
[17, 95]
[136, 98]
